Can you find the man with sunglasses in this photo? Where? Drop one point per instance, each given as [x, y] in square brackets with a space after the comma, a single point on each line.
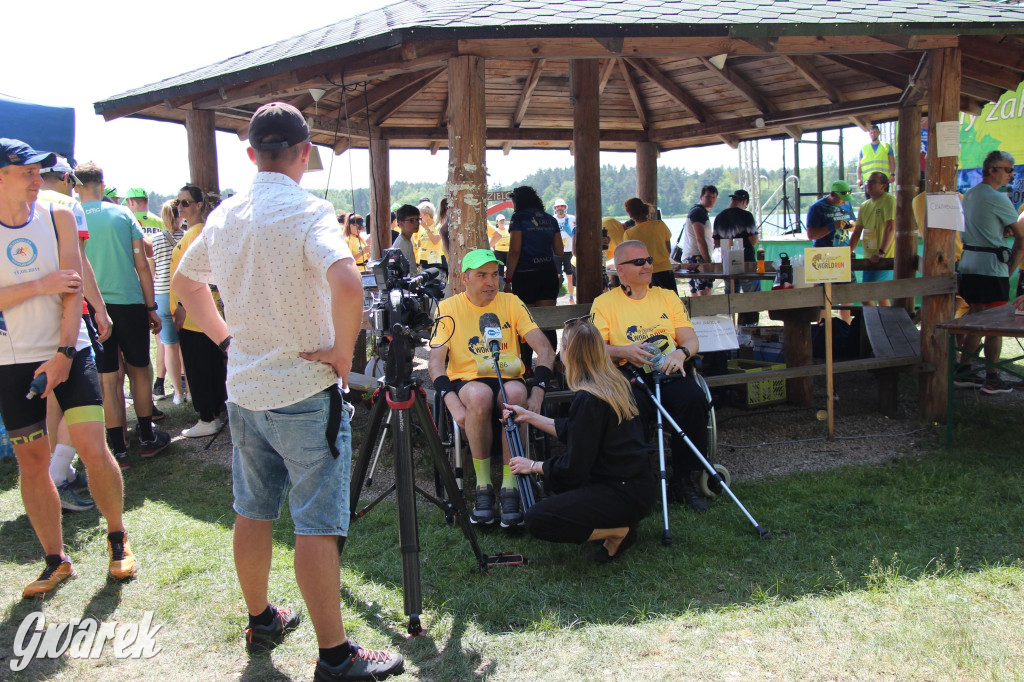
[987, 264]
[631, 318]
[408, 219]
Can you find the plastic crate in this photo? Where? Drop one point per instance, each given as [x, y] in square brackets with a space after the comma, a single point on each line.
[760, 393]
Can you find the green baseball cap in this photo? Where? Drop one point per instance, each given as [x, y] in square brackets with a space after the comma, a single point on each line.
[111, 192]
[136, 193]
[842, 188]
[478, 257]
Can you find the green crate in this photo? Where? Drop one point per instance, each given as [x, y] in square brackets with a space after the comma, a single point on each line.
[760, 393]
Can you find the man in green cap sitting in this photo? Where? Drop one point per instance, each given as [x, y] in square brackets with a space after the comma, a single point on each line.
[470, 325]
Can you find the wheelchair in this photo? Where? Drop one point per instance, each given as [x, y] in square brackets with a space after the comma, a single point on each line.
[704, 484]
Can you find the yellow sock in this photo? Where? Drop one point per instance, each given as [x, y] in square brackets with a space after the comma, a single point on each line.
[482, 467]
[508, 480]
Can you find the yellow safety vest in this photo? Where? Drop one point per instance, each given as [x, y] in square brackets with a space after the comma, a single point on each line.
[874, 160]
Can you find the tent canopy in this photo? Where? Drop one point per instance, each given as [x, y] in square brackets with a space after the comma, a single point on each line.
[46, 128]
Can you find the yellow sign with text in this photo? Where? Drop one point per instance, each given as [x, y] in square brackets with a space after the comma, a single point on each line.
[828, 264]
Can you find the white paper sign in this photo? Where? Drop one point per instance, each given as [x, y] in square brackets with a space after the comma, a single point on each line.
[947, 134]
[945, 211]
[715, 332]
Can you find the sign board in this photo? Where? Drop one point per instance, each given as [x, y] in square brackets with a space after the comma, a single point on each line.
[715, 332]
[828, 264]
[1000, 125]
[945, 211]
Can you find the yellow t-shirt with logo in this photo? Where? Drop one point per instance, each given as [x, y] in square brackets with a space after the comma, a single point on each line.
[872, 217]
[360, 251]
[655, 235]
[458, 328]
[503, 237]
[624, 321]
[429, 251]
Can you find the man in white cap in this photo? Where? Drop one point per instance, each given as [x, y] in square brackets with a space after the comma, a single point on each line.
[567, 226]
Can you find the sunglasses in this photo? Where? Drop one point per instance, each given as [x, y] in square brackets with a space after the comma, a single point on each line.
[1009, 170]
[185, 203]
[357, 222]
[639, 262]
[572, 322]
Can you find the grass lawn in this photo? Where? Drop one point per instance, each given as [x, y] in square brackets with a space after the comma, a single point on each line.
[906, 571]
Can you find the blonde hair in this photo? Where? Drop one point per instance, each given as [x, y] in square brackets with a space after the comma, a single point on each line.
[588, 368]
[169, 215]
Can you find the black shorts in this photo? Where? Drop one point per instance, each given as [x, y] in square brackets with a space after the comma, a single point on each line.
[79, 398]
[130, 334]
[94, 338]
[539, 285]
[567, 266]
[491, 382]
[985, 290]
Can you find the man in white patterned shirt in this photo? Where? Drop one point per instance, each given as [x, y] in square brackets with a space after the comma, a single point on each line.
[293, 302]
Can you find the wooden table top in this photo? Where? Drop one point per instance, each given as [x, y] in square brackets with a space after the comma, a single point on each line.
[1001, 321]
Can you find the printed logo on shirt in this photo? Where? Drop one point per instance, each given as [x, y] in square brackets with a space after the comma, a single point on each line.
[664, 316]
[22, 252]
[506, 326]
[637, 334]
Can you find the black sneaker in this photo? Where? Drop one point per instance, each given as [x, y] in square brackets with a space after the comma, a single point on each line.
[149, 448]
[965, 378]
[483, 509]
[266, 637]
[994, 384]
[158, 390]
[122, 460]
[157, 414]
[363, 664]
[683, 491]
[511, 510]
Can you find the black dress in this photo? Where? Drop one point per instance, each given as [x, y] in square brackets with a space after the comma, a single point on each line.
[605, 479]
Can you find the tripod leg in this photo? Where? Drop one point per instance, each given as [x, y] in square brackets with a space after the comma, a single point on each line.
[666, 535]
[374, 422]
[380, 446]
[408, 529]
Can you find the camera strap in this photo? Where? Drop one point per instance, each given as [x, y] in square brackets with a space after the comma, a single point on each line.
[334, 418]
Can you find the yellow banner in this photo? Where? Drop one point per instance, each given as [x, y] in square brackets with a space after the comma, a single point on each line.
[828, 264]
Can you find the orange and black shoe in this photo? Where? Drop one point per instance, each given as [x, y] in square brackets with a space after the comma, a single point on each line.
[266, 637]
[50, 579]
[123, 564]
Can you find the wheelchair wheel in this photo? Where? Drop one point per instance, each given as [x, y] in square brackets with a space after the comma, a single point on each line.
[712, 424]
[709, 488]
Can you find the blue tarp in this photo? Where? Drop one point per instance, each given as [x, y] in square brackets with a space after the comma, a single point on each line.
[49, 129]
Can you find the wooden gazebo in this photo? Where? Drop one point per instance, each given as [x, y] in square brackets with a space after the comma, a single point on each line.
[616, 75]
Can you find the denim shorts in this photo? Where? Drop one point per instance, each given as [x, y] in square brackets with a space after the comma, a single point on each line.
[168, 334]
[287, 447]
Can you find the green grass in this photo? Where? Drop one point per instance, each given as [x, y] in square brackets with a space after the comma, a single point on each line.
[908, 570]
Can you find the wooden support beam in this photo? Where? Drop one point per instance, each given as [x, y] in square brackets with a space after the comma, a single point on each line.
[647, 172]
[467, 172]
[383, 63]
[988, 50]
[495, 135]
[435, 147]
[731, 139]
[342, 145]
[613, 44]
[404, 96]
[943, 105]
[986, 72]
[806, 68]
[606, 73]
[527, 93]
[764, 44]
[650, 70]
[972, 106]
[729, 76]
[202, 150]
[983, 91]
[634, 95]
[331, 125]
[882, 75]
[794, 131]
[908, 171]
[506, 148]
[862, 122]
[587, 168]
[380, 195]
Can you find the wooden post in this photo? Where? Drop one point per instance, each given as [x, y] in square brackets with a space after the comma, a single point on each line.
[467, 174]
[647, 172]
[829, 383]
[796, 329]
[908, 173]
[943, 105]
[380, 194]
[586, 139]
[202, 149]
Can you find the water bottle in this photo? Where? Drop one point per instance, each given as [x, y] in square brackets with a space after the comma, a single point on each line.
[37, 386]
[760, 260]
[658, 361]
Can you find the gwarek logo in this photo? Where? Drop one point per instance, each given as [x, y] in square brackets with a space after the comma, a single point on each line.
[82, 638]
[22, 252]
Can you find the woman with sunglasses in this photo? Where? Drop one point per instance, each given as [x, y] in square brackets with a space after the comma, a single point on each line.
[205, 366]
[656, 237]
[356, 240]
[604, 483]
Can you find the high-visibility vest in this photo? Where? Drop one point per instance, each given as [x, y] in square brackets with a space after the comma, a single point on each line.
[874, 160]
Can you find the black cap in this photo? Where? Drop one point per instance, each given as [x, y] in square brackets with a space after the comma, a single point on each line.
[279, 120]
[740, 194]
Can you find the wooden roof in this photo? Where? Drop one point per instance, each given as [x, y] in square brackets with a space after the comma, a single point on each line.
[790, 66]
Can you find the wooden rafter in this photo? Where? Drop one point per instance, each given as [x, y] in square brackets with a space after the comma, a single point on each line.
[606, 74]
[633, 94]
[763, 44]
[730, 139]
[650, 70]
[992, 51]
[794, 131]
[402, 97]
[887, 77]
[737, 83]
[986, 72]
[527, 93]
[806, 68]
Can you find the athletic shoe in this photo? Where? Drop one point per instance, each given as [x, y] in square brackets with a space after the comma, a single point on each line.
[266, 637]
[149, 448]
[157, 414]
[994, 384]
[69, 501]
[363, 664]
[158, 390]
[683, 491]
[965, 378]
[179, 398]
[202, 429]
[483, 509]
[511, 510]
[122, 460]
[123, 564]
[50, 579]
[80, 483]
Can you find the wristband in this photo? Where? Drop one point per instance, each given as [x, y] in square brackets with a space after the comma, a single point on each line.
[151, 308]
[443, 384]
[686, 352]
[541, 376]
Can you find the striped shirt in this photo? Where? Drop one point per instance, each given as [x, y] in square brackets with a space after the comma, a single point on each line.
[163, 245]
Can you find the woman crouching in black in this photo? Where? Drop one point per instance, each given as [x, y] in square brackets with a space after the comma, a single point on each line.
[604, 484]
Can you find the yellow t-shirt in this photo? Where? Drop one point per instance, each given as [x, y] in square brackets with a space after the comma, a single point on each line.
[918, 206]
[503, 239]
[458, 328]
[624, 321]
[872, 217]
[360, 251]
[655, 236]
[428, 250]
[179, 250]
[616, 232]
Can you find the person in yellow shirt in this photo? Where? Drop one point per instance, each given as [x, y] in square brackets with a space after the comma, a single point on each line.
[876, 222]
[655, 236]
[616, 234]
[430, 248]
[352, 226]
[499, 240]
[461, 365]
[633, 317]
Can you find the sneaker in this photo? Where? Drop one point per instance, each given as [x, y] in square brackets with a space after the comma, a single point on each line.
[149, 448]
[511, 510]
[266, 637]
[122, 460]
[69, 501]
[158, 390]
[965, 378]
[50, 579]
[483, 509]
[123, 564]
[80, 483]
[363, 664]
[683, 491]
[179, 399]
[202, 429]
[157, 414]
[994, 384]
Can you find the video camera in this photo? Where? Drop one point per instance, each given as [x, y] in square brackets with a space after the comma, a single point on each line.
[403, 300]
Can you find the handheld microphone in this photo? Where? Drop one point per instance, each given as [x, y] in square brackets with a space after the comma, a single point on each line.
[490, 328]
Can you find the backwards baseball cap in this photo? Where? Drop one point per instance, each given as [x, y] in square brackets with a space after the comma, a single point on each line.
[279, 120]
[740, 194]
[842, 188]
[17, 153]
[559, 202]
[62, 167]
[478, 257]
[136, 193]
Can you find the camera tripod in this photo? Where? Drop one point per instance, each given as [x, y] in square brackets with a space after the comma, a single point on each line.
[405, 398]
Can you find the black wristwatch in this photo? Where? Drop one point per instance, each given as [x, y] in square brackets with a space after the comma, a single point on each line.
[67, 351]
[152, 308]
